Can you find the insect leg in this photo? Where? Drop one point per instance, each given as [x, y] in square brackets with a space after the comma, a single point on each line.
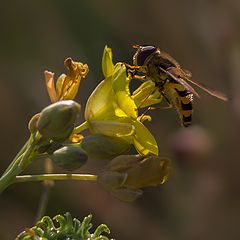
[141, 78]
[169, 105]
[131, 66]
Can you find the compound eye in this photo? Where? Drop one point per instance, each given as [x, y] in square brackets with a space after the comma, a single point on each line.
[143, 53]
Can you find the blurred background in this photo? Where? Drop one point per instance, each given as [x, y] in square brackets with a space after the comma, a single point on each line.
[201, 198]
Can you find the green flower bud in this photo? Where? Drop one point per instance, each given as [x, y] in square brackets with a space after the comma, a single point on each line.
[45, 145]
[69, 157]
[101, 147]
[53, 146]
[57, 120]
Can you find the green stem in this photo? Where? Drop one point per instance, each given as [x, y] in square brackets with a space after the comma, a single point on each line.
[47, 186]
[43, 201]
[23, 149]
[60, 176]
[19, 164]
[81, 127]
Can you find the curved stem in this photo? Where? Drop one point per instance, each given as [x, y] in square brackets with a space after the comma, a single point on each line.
[60, 176]
[20, 163]
[23, 149]
[81, 127]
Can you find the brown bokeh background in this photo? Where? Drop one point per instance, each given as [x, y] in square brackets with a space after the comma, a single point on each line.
[201, 199]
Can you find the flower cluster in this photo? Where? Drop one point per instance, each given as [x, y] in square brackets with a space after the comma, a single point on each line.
[113, 119]
[115, 125]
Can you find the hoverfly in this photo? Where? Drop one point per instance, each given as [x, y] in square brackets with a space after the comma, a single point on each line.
[170, 79]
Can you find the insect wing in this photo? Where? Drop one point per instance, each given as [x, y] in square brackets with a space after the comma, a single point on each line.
[187, 86]
[180, 76]
[179, 79]
[212, 92]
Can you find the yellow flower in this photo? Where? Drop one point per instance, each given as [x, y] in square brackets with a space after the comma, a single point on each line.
[112, 111]
[67, 85]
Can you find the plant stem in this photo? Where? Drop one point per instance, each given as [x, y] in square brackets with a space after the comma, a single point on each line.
[19, 163]
[43, 201]
[23, 149]
[81, 127]
[60, 176]
[47, 186]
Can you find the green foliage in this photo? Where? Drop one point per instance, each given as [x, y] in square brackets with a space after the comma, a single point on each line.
[69, 229]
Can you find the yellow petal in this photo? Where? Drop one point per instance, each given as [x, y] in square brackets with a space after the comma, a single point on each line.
[49, 80]
[107, 64]
[71, 82]
[70, 90]
[104, 115]
[120, 85]
[59, 83]
[112, 128]
[144, 141]
[146, 95]
[118, 111]
[100, 103]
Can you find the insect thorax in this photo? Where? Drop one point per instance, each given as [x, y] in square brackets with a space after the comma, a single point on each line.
[156, 67]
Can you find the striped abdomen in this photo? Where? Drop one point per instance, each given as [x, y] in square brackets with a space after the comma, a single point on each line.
[181, 99]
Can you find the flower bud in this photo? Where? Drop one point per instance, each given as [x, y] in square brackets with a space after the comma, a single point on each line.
[57, 120]
[45, 145]
[53, 146]
[101, 147]
[69, 157]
